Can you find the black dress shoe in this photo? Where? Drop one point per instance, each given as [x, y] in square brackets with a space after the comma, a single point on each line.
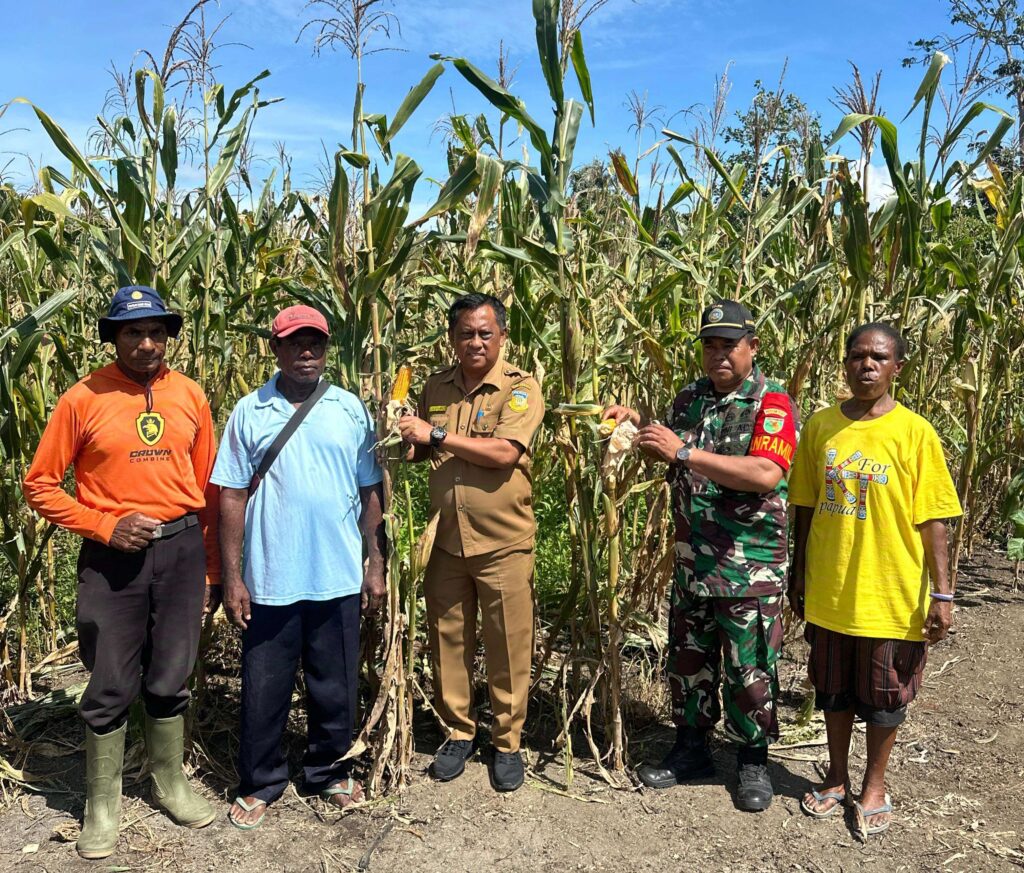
[450, 760]
[688, 759]
[508, 770]
[754, 793]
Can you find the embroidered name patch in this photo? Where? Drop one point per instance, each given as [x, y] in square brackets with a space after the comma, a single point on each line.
[436, 409]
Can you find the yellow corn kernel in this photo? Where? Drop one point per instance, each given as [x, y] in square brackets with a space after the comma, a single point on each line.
[400, 390]
[607, 427]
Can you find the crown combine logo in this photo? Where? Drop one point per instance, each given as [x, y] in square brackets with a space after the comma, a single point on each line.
[150, 427]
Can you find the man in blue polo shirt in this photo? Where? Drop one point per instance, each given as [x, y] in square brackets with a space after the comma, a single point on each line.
[297, 592]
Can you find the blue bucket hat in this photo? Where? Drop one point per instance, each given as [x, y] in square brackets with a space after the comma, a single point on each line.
[132, 304]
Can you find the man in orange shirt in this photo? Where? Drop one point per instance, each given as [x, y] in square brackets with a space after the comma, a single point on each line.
[141, 440]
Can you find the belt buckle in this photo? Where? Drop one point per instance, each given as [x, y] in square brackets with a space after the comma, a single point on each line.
[158, 531]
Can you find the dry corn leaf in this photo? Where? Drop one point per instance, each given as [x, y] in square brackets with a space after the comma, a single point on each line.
[425, 545]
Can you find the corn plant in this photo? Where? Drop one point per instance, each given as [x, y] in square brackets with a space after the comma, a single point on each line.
[605, 269]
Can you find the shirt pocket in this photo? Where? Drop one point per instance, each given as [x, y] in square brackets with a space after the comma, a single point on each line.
[484, 423]
[733, 437]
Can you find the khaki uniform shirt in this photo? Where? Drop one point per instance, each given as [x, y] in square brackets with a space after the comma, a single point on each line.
[482, 510]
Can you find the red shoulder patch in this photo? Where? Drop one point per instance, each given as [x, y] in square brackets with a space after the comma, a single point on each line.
[774, 434]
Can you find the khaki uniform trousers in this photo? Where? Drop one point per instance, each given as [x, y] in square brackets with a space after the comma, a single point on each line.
[501, 582]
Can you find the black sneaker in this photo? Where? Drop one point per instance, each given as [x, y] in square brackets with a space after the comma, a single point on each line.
[688, 759]
[754, 792]
[508, 770]
[450, 760]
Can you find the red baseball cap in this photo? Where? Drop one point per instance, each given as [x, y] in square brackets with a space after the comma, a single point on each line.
[297, 317]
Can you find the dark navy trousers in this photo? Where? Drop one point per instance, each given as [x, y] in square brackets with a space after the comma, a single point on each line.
[322, 636]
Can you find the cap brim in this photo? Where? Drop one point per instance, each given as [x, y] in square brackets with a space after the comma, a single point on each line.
[724, 332]
[292, 328]
[108, 326]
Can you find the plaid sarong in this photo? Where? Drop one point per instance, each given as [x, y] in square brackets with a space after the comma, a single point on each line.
[882, 674]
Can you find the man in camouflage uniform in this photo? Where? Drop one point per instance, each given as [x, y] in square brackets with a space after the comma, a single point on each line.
[730, 441]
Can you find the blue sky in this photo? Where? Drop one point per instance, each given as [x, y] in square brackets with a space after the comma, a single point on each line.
[58, 55]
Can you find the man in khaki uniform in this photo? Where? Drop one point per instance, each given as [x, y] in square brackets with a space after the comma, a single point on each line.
[476, 422]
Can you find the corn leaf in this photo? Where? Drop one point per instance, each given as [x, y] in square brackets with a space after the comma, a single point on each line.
[579, 65]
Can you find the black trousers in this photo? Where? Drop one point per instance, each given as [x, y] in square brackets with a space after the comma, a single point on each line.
[324, 637]
[139, 615]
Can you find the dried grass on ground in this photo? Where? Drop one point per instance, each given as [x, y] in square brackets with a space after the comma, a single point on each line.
[956, 776]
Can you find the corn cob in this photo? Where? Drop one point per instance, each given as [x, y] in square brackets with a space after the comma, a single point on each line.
[400, 390]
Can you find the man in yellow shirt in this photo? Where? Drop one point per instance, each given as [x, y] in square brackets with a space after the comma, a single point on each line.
[872, 494]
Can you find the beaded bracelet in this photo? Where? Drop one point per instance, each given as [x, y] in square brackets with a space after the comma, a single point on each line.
[945, 598]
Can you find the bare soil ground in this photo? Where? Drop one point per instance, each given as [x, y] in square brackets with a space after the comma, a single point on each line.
[956, 778]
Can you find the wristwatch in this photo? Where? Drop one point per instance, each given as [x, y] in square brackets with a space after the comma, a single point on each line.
[683, 455]
[437, 436]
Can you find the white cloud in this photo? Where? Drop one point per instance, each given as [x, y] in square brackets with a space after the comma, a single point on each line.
[880, 186]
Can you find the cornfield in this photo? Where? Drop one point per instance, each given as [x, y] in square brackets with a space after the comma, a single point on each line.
[604, 267]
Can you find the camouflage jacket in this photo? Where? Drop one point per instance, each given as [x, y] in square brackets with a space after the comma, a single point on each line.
[728, 543]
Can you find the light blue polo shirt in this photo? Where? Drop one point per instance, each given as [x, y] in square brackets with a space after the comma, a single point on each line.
[302, 537]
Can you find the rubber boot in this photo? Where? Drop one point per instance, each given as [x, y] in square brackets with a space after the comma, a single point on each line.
[165, 745]
[104, 759]
[688, 759]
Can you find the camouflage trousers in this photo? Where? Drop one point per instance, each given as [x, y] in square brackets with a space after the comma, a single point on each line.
[732, 643]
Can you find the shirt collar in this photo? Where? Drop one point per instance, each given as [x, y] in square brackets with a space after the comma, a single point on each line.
[750, 389]
[493, 377]
[268, 394]
[115, 372]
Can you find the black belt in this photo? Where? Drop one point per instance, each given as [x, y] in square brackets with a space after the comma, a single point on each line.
[170, 528]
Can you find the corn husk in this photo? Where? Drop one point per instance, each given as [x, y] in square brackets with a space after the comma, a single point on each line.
[619, 446]
[393, 410]
[574, 409]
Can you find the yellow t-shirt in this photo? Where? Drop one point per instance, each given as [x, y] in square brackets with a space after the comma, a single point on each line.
[870, 484]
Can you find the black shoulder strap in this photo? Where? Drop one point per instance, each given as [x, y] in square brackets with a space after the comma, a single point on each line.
[290, 427]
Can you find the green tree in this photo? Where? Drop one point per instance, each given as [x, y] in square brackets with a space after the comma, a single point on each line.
[773, 135]
[988, 46]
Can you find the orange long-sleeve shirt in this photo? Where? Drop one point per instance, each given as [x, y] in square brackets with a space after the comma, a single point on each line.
[127, 458]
